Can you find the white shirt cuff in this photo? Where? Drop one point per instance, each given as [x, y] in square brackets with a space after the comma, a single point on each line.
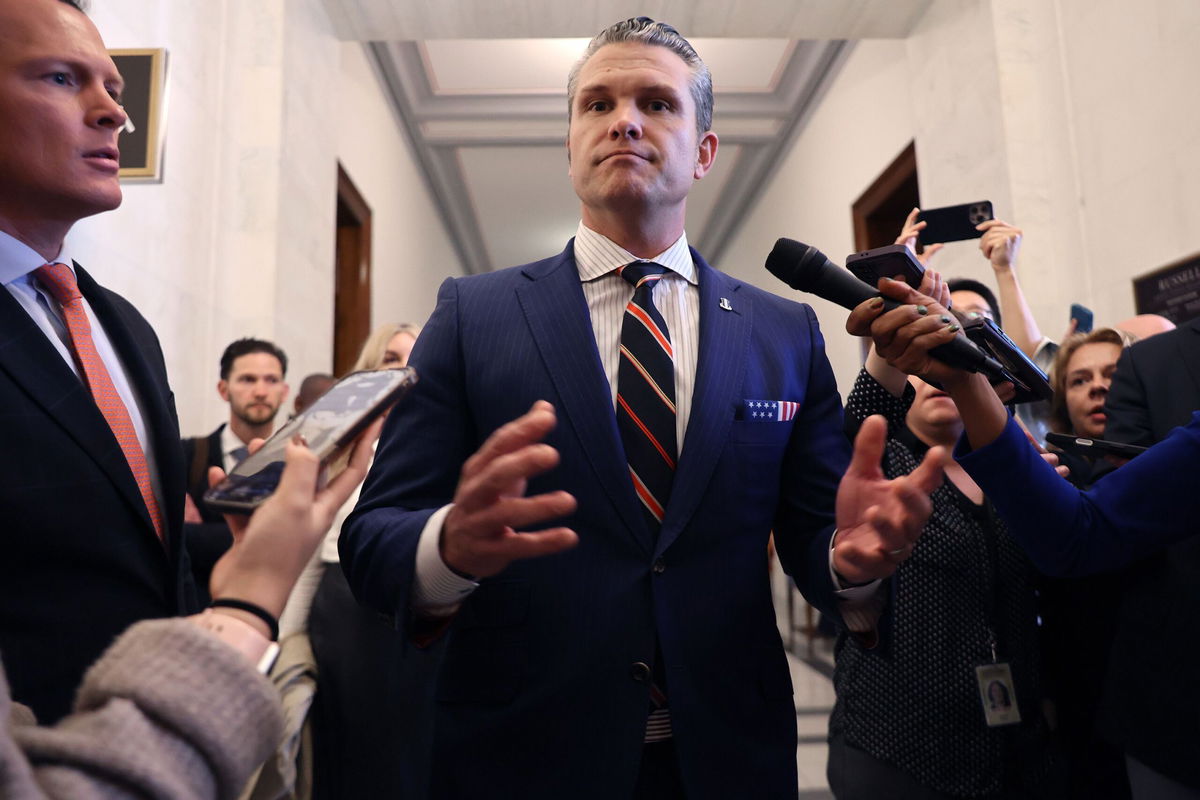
[861, 606]
[436, 587]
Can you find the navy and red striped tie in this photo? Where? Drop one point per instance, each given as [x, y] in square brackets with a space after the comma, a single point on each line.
[646, 393]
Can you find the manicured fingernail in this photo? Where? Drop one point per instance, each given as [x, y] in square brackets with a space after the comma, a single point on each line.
[922, 310]
[945, 319]
[952, 328]
[876, 303]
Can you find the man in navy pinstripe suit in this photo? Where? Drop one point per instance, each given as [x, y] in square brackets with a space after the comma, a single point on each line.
[629, 649]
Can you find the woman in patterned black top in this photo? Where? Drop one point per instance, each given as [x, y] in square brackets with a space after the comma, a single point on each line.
[909, 721]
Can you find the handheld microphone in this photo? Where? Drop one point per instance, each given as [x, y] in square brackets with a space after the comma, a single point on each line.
[804, 267]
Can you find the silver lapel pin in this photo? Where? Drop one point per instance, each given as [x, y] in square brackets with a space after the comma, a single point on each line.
[725, 304]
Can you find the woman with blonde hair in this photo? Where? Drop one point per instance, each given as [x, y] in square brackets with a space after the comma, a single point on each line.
[388, 346]
[368, 716]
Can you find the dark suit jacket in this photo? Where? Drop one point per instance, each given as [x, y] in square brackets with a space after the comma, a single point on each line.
[206, 541]
[1156, 387]
[1151, 706]
[540, 692]
[81, 558]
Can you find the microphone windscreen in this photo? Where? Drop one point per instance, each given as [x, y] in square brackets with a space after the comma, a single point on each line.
[807, 269]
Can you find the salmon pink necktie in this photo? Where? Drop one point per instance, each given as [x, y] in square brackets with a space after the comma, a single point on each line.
[59, 280]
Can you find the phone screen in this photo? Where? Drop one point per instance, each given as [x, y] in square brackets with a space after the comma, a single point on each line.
[328, 424]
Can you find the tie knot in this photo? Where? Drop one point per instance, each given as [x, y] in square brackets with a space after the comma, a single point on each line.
[59, 280]
[641, 272]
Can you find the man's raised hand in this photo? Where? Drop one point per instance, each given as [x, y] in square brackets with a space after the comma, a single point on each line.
[481, 535]
[879, 520]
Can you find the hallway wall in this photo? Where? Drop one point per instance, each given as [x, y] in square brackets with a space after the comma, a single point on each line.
[238, 237]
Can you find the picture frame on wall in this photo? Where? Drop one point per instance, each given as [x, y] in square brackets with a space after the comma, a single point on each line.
[144, 99]
[1172, 291]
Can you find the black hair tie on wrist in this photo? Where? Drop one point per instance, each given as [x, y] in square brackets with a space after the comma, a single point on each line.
[250, 608]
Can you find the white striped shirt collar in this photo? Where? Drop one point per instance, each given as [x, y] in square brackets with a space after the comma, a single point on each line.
[596, 256]
[18, 259]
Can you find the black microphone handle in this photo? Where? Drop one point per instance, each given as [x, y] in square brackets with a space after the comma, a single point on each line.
[807, 269]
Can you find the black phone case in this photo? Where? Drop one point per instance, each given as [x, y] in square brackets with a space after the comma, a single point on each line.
[953, 223]
[1027, 377]
[889, 261]
[1093, 448]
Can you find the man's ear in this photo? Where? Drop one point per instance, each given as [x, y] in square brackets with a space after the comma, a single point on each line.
[223, 389]
[706, 154]
[283, 397]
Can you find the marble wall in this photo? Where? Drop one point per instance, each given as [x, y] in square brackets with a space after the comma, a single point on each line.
[238, 237]
[412, 252]
[1067, 114]
[863, 122]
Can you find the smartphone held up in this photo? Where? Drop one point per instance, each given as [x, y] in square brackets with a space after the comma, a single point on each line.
[328, 426]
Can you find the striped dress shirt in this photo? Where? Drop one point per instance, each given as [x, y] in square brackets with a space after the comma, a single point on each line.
[677, 298]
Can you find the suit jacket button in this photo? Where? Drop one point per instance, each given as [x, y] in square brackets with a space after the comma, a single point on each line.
[640, 672]
[659, 567]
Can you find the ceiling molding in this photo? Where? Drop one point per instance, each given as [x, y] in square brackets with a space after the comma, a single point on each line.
[397, 20]
[762, 124]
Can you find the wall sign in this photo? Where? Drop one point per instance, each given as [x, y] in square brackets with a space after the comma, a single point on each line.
[1172, 291]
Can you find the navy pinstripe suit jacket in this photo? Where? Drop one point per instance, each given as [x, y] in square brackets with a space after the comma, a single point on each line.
[535, 692]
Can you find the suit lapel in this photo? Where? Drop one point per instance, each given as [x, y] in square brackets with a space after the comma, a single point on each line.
[136, 358]
[560, 323]
[34, 365]
[720, 368]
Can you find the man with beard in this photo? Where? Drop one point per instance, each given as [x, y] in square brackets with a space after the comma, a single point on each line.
[252, 382]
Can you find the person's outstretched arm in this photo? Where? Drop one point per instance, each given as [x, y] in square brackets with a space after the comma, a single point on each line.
[1137, 510]
[177, 708]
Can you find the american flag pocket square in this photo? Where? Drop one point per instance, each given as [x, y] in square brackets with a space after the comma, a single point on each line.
[769, 410]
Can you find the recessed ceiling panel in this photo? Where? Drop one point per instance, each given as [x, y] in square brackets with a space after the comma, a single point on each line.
[540, 66]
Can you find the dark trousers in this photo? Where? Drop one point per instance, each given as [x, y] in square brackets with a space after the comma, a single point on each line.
[856, 775]
[658, 775]
[373, 711]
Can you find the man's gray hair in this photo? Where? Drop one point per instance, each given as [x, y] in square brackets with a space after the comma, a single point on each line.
[647, 31]
[78, 5]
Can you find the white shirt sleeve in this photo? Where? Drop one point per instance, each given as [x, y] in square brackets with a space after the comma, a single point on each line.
[861, 606]
[436, 587]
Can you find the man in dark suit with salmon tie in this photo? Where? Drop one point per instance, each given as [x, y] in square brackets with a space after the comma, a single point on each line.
[91, 479]
[662, 418]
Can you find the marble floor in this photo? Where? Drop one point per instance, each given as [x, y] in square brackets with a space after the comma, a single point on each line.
[814, 700]
[811, 660]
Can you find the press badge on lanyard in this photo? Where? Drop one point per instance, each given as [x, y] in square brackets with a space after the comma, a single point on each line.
[997, 693]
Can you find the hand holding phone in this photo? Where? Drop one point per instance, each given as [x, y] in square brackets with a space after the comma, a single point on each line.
[1000, 243]
[327, 426]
